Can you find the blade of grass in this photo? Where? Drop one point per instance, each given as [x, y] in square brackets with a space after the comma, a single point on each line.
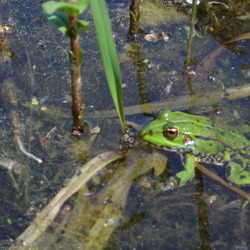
[109, 55]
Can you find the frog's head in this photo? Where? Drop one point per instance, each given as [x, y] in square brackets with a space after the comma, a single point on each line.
[167, 131]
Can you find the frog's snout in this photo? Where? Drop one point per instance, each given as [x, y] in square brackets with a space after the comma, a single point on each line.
[144, 133]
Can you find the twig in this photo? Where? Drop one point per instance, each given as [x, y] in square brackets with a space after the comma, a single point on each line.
[174, 103]
[12, 167]
[21, 171]
[24, 151]
[216, 2]
[222, 182]
[191, 32]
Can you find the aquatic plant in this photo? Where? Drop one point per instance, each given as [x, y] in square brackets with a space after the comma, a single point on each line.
[65, 16]
[109, 55]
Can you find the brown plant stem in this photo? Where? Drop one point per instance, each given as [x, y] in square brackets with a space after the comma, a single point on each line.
[134, 17]
[189, 51]
[75, 63]
[191, 32]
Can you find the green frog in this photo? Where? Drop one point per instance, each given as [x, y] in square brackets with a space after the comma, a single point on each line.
[196, 138]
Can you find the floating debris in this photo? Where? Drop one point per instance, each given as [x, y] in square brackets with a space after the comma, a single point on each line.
[155, 37]
[191, 1]
[6, 28]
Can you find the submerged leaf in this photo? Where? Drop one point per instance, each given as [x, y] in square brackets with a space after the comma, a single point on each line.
[208, 61]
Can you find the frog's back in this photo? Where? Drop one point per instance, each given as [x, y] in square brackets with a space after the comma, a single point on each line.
[232, 137]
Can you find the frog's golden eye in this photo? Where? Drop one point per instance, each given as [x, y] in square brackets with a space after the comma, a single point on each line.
[171, 133]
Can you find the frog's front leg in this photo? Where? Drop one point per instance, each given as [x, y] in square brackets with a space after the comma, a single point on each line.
[183, 176]
[238, 170]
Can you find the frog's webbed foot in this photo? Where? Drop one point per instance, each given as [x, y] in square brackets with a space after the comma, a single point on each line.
[182, 177]
[238, 172]
[241, 178]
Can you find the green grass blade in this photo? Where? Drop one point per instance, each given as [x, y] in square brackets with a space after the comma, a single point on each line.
[109, 55]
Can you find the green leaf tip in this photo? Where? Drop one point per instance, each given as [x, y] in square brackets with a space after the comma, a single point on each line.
[80, 26]
[61, 20]
[51, 6]
[82, 5]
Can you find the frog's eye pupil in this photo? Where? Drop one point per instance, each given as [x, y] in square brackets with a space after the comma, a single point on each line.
[171, 133]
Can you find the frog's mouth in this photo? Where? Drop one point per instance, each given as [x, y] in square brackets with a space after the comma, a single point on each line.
[169, 149]
[145, 132]
[179, 150]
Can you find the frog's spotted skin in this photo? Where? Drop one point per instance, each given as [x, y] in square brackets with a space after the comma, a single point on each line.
[199, 140]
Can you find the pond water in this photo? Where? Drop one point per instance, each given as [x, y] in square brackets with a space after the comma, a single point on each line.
[204, 214]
